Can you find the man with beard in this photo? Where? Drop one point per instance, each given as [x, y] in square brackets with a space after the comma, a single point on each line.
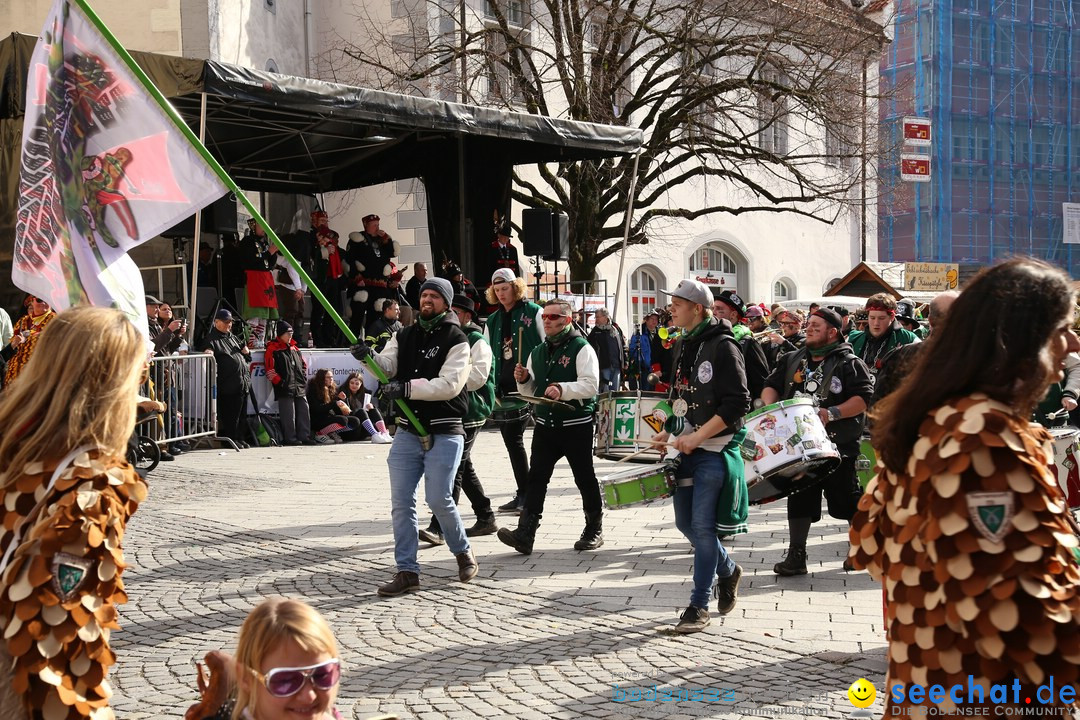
[729, 306]
[374, 277]
[513, 330]
[883, 334]
[825, 369]
[563, 368]
[708, 400]
[429, 364]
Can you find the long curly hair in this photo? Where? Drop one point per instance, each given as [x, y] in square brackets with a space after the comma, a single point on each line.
[994, 340]
[318, 390]
[519, 292]
[78, 388]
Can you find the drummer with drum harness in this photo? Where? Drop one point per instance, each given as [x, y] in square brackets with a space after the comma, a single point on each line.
[708, 399]
[827, 371]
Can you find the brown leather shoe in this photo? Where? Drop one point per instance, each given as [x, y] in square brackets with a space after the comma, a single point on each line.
[402, 583]
[467, 566]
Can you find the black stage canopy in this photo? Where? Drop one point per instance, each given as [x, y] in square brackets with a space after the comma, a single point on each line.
[278, 133]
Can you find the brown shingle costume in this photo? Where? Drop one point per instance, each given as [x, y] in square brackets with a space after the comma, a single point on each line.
[968, 592]
[58, 596]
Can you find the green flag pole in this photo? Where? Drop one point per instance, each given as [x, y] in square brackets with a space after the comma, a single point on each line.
[168, 109]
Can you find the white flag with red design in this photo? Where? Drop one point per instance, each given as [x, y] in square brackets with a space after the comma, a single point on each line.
[103, 170]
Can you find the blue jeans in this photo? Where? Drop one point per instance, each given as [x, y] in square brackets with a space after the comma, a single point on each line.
[438, 466]
[610, 380]
[695, 517]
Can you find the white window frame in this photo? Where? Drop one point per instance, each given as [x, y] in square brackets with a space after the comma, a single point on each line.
[648, 297]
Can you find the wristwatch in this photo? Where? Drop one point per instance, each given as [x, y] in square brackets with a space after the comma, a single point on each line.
[834, 413]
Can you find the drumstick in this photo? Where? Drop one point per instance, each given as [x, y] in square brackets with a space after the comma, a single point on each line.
[634, 454]
[520, 330]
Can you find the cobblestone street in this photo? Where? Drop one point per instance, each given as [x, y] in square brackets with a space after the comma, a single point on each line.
[557, 634]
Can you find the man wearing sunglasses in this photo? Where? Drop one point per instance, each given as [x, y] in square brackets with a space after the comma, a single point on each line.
[429, 362]
[564, 369]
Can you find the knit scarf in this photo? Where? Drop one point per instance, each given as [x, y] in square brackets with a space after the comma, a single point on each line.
[823, 350]
[427, 325]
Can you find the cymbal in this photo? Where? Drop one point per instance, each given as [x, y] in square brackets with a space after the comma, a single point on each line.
[540, 400]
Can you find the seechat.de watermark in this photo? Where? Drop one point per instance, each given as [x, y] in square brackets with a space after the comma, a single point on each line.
[668, 693]
[1000, 700]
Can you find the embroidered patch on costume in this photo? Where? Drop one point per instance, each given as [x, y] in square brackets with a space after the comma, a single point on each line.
[527, 321]
[835, 386]
[69, 573]
[564, 361]
[991, 513]
[704, 372]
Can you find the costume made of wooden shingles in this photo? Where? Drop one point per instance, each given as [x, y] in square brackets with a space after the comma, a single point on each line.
[58, 596]
[978, 552]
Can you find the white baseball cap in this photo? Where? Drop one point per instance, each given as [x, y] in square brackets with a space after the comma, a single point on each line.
[692, 290]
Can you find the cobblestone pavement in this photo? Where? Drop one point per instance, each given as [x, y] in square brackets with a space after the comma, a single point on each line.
[557, 634]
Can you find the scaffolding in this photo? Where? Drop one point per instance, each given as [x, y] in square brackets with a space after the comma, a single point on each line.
[996, 78]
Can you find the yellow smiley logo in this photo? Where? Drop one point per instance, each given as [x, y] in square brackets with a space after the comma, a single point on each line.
[862, 693]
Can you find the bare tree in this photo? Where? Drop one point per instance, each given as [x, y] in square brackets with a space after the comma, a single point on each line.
[750, 105]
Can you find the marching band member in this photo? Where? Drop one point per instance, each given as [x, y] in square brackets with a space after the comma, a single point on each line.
[708, 400]
[825, 369]
[564, 368]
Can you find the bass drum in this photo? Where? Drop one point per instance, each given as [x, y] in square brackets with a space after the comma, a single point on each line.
[1066, 453]
[786, 449]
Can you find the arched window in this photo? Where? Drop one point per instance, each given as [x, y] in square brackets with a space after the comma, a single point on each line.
[715, 267]
[782, 291]
[643, 294]
[271, 66]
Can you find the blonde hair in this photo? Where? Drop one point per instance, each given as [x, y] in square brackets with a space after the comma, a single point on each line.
[271, 623]
[519, 292]
[78, 388]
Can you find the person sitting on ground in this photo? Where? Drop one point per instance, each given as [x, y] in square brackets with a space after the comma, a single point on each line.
[371, 420]
[286, 370]
[330, 415]
[287, 665]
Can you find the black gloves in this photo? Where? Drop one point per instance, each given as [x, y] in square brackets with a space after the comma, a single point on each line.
[395, 389]
[361, 351]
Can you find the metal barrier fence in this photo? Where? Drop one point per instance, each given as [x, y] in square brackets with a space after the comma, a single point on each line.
[187, 384]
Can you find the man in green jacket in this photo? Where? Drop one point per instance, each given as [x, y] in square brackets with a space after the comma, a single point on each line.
[513, 330]
[883, 334]
[564, 369]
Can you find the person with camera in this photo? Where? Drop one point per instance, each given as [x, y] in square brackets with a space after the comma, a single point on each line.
[167, 333]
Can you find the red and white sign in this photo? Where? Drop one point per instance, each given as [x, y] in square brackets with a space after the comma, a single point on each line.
[917, 131]
[915, 168]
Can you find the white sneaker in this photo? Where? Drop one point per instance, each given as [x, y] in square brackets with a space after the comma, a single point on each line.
[381, 438]
[324, 440]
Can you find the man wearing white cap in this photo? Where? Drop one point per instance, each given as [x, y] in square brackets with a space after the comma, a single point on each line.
[513, 330]
[708, 399]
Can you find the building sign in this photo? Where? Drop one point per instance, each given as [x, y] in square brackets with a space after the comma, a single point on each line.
[1070, 228]
[917, 131]
[724, 280]
[915, 168]
[930, 277]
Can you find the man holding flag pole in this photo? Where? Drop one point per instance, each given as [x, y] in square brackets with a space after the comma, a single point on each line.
[107, 163]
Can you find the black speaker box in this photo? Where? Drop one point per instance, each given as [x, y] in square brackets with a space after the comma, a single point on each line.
[545, 233]
[218, 217]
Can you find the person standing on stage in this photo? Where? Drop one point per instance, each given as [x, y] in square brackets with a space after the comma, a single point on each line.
[412, 288]
[513, 330]
[825, 369]
[503, 252]
[708, 400]
[373, 275]
[563, 368]
[481, 387]
[428, 363]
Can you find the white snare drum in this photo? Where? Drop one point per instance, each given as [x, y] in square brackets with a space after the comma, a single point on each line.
[626, 422]
[638, 486]
[784, 441]
[1066, 452]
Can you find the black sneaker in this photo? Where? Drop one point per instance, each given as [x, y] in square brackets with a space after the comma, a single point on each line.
[693, 620]
[514, 506]
[175, 450]
[727, 591]
[166, 457]
[794, 563]
[430, 536]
